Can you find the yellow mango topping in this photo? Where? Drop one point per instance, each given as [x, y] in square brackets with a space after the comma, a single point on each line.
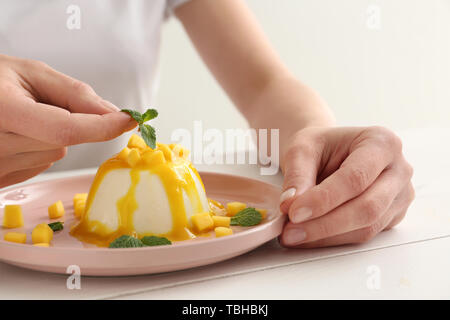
[215, 203]
[184, 153]
[15, 237]
[56, 210]
[221, 221]
[153, 158]
[42, 233]
[12, 217]
[133, 157]
[263, 212]
[166, 150]
[222, 231]
[79, 207]
[79, 196]
[177, 176]
[235, 207]
[124, 153]
[216, 208]
[136, 142]
[202, 222]
[45, 245]
[179, 151]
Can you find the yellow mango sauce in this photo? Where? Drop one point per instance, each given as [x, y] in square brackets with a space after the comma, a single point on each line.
[174, 173]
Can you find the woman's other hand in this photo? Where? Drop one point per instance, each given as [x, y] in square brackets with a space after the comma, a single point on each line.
[343, 185]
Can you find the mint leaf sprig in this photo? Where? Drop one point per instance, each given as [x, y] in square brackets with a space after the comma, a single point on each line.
[246, 218]
[148, 133]
[127, 241]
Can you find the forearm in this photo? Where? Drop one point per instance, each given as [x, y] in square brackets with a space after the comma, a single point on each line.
[287, 104]
[232, 44]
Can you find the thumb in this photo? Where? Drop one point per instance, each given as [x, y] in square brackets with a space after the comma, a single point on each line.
[301, 164]
[55, 88]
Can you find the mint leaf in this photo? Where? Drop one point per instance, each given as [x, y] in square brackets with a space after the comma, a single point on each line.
[149, 115]
[155, 241]
[246, 218]
[126, 242]
[134, 114]
[56, 226]
[148, 133]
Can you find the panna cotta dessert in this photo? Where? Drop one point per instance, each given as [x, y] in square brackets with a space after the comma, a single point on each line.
[143, 192]
[149, 194]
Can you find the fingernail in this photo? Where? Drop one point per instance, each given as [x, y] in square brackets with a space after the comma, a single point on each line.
[289, 193]
[294, 236]
[125, 116]
[301, 214]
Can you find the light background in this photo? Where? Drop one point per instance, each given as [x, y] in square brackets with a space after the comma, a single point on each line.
[397, 76]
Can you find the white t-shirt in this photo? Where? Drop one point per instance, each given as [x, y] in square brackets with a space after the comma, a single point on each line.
[113, 47]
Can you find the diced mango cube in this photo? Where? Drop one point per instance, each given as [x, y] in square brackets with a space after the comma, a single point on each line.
[136, 142]
[79, 208]
[222, 231]
[56, 210]
[12, 217]
[263, 212]
[45, 245]
[124, 153]
[202, 222]
[79, 196]
[153, 157]
[42, 233]
[235, 207]
[221, 221]
[133, 157]
[15, 237]
[166, 151]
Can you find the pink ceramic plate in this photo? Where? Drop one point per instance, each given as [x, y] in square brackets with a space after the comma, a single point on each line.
[66, 250]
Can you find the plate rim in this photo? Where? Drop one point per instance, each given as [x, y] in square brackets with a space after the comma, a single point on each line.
[179, 244]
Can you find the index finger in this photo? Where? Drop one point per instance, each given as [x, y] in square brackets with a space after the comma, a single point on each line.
[359, 170]
[55, 88]
[60, 127]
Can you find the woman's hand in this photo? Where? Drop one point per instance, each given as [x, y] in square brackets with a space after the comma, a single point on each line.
[343, 185]
[41, 112]
[363, 180]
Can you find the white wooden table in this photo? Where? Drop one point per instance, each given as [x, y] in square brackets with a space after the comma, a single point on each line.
[411, 261]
